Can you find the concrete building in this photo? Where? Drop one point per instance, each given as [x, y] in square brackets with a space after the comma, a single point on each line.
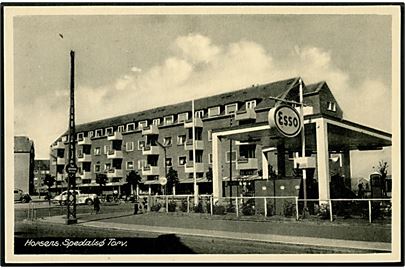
[230, 139]
[24, 164]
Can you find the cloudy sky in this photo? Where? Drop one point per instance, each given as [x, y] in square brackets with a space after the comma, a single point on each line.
[135, 62]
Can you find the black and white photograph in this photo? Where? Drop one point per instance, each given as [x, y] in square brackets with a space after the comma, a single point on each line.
[202, 134]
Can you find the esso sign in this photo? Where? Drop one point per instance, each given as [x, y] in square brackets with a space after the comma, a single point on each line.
[286, 119]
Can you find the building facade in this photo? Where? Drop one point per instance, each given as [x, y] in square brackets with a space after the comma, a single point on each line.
[154, 140]
[24, 155]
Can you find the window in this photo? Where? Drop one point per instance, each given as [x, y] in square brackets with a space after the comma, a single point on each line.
[168, 120]
[141, 145]
[209, 158]
[181, 139]
[182, 160]
[130, 127]
[251, 104]
[156, 122]
[129, 146]
[91, 133]
[213, 111]
[233, 156]
[99, 133]
[331, 106]
[130, 165]
[121, 129]
[65, 138]
[142, 124]
[141, 163]
[199, 114]
[79, 153]
[97, 151]
[97, 168]
[210, 135]
[80, 136]
[231, 108]
[182, 117]
[169, 162]
[167, 141]
[106, 149]
[107, 167]
[109, 131]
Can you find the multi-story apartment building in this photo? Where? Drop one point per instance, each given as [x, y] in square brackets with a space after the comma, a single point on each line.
[153, 140]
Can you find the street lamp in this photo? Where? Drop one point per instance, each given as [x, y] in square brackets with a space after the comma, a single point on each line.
[164, 150]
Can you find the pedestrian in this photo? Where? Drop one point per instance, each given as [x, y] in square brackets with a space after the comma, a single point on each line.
[96, 204]
[136, 205]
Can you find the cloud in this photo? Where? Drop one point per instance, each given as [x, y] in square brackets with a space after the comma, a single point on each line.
[197, 67]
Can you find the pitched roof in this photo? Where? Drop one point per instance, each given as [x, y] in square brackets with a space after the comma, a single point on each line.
[22, 144]
[314, 88]
[258, 92]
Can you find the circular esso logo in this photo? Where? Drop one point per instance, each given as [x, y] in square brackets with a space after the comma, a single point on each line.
[286, 119]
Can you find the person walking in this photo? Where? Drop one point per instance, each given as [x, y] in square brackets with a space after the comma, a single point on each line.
[136, 205]
[96, 205]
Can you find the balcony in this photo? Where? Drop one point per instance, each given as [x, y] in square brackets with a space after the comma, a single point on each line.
[58, 145]
[84, 141]
[114, 154]
[189, 167]
[246, 163]
[150, 150]
[84, 158]
[85, 175]
[60, 161]
[246, 115]
[197, 123]
[150, 170]
[116, 136]
[199, 145]
[115, 173]
[150, 130]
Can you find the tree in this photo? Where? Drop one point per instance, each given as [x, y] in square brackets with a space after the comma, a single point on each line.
[382, 168]
[133, 178]
[172, 178]
[101, 179]
[49, 181]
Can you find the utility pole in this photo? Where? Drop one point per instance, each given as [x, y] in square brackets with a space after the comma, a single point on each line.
[71, 167]
[304, 171]
[194, 155]
[230, 163]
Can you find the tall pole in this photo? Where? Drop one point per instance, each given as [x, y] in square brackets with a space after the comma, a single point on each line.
[71, 167]
[230, 163]
[194, 169]
[304, 171]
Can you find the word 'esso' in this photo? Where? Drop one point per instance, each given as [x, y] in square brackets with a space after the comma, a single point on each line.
[286, 119]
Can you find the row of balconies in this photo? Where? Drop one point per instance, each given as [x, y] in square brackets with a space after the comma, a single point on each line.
[241, 164]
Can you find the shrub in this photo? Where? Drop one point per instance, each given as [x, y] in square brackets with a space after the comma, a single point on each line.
[218, 210]
[198, 208]
[289, 209]
[183, 206]
[171, 206]
[270, 210]
[231, 208]
[156, 207]
[248, 210]
[324, 211]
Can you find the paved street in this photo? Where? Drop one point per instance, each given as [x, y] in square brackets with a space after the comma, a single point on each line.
[200, 233]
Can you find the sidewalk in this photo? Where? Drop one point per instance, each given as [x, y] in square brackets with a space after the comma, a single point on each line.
[325, 236]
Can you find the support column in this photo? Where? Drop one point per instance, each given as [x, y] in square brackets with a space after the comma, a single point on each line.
[346, 170]
[149, 190]
[216, 167]
[281, 159]
[322, 160]
[265, 166]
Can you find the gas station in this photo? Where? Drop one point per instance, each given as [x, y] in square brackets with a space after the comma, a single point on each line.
[314, 148]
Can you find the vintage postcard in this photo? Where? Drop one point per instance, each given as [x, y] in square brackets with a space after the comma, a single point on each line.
[202, 134]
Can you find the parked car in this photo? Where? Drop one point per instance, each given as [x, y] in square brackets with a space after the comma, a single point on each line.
[21, 196]
[81, 198]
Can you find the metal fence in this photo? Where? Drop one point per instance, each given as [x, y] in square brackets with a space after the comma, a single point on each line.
[262, 207]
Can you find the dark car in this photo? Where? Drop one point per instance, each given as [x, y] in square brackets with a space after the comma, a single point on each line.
[20, 196]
